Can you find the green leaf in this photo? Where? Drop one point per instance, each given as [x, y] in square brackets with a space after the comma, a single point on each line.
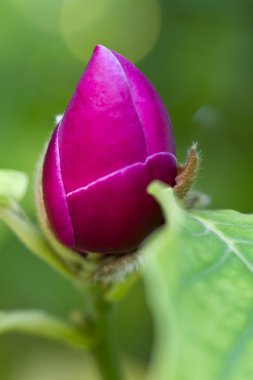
[32, 237]
[13, 184]
[42, 324]
[199, 283]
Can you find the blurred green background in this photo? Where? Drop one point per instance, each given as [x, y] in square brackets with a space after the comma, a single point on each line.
[198, 54]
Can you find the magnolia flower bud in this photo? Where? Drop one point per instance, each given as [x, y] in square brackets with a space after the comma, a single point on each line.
[115, 137]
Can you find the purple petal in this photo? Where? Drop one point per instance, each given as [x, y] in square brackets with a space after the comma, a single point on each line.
[55, 196]
[100, 131]
[115, 213]
[152, 113]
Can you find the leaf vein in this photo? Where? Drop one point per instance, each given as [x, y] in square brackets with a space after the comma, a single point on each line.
[225, 239]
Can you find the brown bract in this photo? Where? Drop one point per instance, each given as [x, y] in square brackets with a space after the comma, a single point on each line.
[187, 173]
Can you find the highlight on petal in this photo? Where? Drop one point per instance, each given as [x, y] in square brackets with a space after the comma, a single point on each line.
[55, 196]
[151, 111]
[100, 131]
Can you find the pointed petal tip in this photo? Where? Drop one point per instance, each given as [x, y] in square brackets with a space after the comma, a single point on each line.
[101, 54]
[100, 49]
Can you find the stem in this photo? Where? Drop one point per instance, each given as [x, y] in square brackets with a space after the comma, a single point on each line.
[105, 353]
[32, 237]
[40, 323]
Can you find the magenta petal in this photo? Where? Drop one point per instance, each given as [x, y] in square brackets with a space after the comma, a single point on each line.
[55, 196]
[151, 110]
[115, 213]
[100, 131]
[114, 139]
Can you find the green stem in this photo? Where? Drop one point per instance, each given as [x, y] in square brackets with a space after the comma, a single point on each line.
[105, 352]
[31, 236]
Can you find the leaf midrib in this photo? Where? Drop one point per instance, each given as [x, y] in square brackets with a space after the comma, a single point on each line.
[210, 226]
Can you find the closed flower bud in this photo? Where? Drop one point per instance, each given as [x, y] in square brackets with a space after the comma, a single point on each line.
[115, 137]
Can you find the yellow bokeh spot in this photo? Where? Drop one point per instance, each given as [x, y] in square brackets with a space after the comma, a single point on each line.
[130, 27]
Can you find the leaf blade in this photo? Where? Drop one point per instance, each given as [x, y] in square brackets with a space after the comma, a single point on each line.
[205, 275]
[13, 184]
